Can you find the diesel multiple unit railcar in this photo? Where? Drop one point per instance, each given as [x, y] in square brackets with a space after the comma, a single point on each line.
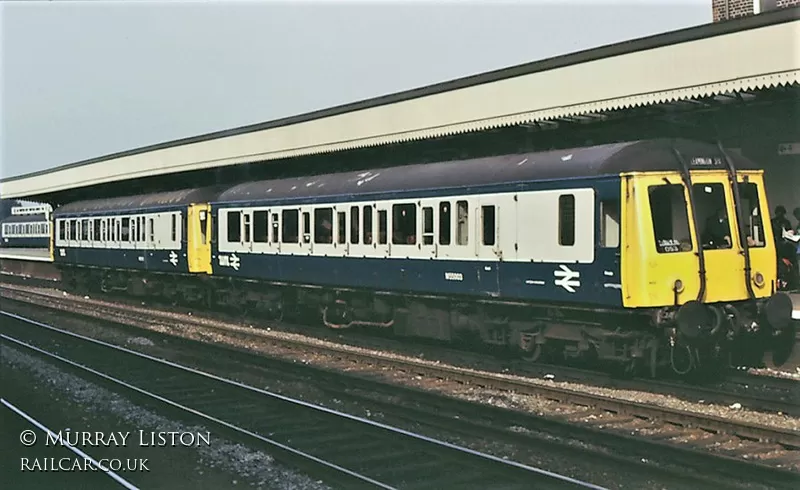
[649, 253]
[27, 226]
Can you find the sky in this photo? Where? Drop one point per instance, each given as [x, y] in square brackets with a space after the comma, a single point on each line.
[82, 79]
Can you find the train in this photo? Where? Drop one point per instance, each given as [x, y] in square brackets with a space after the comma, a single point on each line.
[27, 226]
[651, 255]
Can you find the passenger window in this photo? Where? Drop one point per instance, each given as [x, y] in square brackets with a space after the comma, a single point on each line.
[609, 223]
[462, 226]
[751, 209]
[341, 227]
[133, 229]
[126, 229]
[712, 216]
[275, 227]
[73, 229]
[566, 220]
[203, 219]
[444, 223]
[354, 224]
[427, 226]
[382, 227]
[670, 218]
[152, 231]
[323, 225]
[234, 226]
[368, 225]
[489, 224]
[246, 217]
[174, 222]
[261, 226]
[306, 227]
[62, 232]
[404, 224]
[291, 226]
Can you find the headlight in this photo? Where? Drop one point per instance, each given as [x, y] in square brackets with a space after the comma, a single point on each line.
[758, 279]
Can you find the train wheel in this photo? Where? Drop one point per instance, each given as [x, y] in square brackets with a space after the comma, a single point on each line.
[535, 355]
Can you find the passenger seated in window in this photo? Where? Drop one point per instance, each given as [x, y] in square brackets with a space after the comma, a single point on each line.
[325, 232]
[717, 231]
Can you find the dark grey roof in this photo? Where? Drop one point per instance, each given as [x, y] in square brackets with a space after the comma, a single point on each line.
[594, 161]
[147, 201]
[774, 17]
[24, 218]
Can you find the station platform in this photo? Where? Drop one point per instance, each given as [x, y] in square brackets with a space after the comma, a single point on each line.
[31, 254]
[28, 263]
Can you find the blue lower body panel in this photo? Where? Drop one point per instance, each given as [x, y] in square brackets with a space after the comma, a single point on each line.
[584, 283]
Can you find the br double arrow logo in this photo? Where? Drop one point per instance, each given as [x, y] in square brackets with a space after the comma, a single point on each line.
[567, 278]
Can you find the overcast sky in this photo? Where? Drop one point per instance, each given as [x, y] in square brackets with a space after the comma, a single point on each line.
[82, 79]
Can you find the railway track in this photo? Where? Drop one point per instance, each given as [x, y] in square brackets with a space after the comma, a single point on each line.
[455, 416]
[340, 447]
[776, 393]
[762, 393]
[609, 414]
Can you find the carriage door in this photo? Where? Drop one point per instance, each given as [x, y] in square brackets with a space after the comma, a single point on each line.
[340, 231]
[275, 230]
[247, 231]
[430, 223]
[382, 241]
[486, 243]
[198, 238]
[608, 255]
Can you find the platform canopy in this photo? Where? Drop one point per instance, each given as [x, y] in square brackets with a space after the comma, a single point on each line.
[733, 57]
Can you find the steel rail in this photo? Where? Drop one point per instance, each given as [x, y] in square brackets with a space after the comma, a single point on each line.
[683, 418]
[290, 420]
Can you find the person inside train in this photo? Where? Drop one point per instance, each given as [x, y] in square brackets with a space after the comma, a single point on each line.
[717, 231]
[324, 232]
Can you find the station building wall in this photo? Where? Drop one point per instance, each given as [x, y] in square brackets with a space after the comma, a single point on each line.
[732, 9]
